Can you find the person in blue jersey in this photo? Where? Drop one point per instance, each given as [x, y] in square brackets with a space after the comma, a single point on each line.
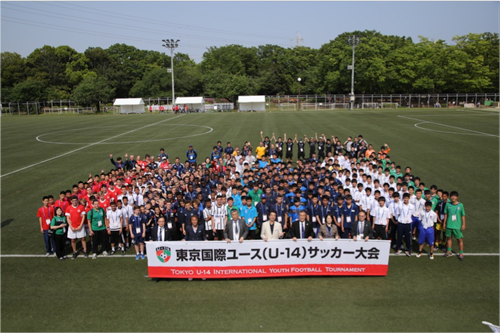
[250, 215]
[137, 225]
[349, 215]
[191, 155]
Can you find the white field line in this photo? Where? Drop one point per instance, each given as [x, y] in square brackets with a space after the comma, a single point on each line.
[133, 255]
[460, 128]
[87, 146]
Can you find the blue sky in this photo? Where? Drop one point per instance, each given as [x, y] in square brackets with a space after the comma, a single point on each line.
[30, 25]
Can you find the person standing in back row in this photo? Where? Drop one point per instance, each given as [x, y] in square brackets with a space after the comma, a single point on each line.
[191, 155]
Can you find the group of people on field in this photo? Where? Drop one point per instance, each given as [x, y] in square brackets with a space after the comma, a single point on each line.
[340, 190]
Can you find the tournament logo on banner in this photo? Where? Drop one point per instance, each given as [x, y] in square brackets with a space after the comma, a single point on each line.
[163, 253]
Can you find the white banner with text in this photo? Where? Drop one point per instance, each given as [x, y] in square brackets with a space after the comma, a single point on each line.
[256, 258]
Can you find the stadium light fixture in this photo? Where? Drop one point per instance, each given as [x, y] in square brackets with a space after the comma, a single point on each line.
[172, 45]
[353, 41]
[299, 79]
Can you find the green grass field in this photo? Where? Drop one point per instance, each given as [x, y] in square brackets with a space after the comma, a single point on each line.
[454, 149]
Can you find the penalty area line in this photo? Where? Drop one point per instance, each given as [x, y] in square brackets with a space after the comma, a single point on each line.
[439, 124]
[87, 146]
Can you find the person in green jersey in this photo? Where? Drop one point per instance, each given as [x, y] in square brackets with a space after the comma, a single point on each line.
[97, 225]
[58, 226]
[255, 194]
[454, 224]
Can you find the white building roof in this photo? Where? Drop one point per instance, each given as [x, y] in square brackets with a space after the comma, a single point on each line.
[251, 99]
[128, 101]
[189, 100]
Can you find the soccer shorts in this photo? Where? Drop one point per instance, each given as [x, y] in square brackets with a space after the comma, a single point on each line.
[426, 234]
[115, 236]
[415, 222]
[138, 238]
[457, 233]
[76, 234]
[219, 234]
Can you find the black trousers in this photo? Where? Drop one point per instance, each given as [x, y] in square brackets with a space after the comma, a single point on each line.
[404, 230]
[100, 237]
[252, 234]
[380, 232]
[60, 241]
[393, 229]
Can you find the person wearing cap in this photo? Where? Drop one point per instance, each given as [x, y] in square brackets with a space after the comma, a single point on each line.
[191, 155]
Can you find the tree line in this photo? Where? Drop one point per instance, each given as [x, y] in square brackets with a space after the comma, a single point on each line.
[384, 64]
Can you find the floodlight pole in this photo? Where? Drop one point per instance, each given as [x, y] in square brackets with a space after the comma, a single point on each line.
[172, 45]
[299, 79]
[353, 41]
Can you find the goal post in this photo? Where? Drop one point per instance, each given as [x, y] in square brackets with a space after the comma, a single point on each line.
[288, 107]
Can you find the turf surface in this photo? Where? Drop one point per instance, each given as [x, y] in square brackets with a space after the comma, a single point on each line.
[454, 149]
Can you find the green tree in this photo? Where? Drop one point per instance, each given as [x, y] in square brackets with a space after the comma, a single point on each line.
[93, 90]
[29, 90]
[13, 71]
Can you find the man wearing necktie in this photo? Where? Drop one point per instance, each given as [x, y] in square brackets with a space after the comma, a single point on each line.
[160, 233]
[302, 229]
[236, 229]
[361, 228]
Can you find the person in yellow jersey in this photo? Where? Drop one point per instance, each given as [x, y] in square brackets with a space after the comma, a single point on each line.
[260, 150]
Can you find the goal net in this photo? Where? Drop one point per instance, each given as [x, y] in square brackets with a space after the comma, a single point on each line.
[390, 105]
[288, 107]
[339, 106]
[370, 105]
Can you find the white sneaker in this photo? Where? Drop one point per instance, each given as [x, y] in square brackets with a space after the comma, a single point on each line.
[398, 252]
[105, 253]
[47, 254]
[94, 256]
[190, 279]
[419, 255]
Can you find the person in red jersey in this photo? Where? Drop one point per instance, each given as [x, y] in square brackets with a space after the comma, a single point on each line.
[45, 215]
[75, 214]
[62, 202]
[113, 192]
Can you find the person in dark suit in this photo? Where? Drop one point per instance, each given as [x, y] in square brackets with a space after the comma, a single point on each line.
[236, 229]
[302, 229]
[160, 233]
[361, 228]
[195, 231]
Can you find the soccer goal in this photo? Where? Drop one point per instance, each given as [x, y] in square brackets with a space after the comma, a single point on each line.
[288, 107]
[370, 105]
[334, 106]
[390, 105]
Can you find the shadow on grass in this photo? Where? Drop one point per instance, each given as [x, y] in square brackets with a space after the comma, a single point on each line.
[7, 222]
